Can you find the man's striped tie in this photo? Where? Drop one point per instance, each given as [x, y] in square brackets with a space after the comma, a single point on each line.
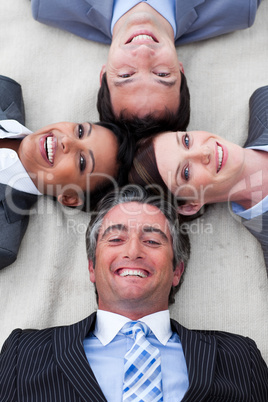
[142, 367]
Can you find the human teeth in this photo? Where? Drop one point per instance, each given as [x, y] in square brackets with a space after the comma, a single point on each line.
[220, 153]
[130, 272]
[142, 37]
[49, 149]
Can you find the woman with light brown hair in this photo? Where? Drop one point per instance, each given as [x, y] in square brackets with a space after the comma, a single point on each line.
[198, 168]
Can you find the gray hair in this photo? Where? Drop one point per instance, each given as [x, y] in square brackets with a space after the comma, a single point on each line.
[134, 193]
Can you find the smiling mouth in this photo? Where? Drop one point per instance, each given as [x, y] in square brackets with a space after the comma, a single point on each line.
[49, 149]
[133, 272]
[142, 38]
[220, 155]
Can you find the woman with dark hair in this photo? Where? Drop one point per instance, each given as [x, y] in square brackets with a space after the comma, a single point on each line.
[74, 163]
[198, 168]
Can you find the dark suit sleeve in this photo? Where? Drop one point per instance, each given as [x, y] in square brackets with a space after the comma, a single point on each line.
[239, 362]
[8, 368]
[259, 374]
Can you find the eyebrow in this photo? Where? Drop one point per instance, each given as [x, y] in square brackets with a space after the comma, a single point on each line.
[123, 228]
[127, 81]
[120, 227]
[178, 168]
[151, 229]
[91, 155]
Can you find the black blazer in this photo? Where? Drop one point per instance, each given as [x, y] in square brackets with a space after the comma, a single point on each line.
[258, 135]
[11, 101]
[13, 221]
[50, 365]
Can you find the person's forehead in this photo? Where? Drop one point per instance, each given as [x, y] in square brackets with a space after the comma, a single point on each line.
[134, 216]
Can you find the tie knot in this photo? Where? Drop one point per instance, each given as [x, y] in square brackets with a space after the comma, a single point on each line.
[132, 328]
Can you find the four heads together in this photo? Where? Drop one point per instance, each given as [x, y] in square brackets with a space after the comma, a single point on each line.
[143, 91]
[137, 252]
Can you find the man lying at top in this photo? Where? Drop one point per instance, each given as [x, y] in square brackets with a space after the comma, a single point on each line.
[143, 76]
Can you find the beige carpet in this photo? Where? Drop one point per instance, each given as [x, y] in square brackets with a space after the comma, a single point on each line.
[226, 284]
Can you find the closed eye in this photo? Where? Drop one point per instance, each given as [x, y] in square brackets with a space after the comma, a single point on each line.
[152, 242]
[163, 74]
[125, 75]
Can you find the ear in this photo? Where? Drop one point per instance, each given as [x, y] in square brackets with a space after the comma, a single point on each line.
[181, 67]
[178, 273]
[70, 200]
[190, 208]
[103, 70]
[91, 271]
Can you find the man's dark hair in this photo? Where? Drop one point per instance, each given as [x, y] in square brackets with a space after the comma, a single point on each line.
[152, 123]
[134, 193]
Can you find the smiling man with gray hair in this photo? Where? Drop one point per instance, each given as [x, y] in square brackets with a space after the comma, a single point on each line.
[130, 349]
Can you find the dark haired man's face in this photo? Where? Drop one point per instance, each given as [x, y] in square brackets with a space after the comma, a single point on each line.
[143, 70]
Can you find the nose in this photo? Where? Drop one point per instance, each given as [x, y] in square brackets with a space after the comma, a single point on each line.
[133, 249]
[201, 155]
[143, 52]
[67, 144]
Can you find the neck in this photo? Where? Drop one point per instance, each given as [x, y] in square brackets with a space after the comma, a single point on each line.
[9, 143]
[134, 313]
[253, 184]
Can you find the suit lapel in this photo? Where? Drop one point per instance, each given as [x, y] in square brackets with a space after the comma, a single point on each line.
[100, 15]
[185, 15]
[200, 355]
[258, 122]
[70, 356]
[258, 227]
[258, 136]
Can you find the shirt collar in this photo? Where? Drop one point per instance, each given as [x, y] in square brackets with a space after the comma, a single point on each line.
[13, 129]
[109, 324]
[12, 170]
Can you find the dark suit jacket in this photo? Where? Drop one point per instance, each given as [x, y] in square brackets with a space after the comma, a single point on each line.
[258, 135]
[195, 19]
[51, 366]
[14, 204]
[11, 101]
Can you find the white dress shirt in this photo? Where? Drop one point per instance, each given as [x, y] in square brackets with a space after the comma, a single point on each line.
[12, 171]
[166, 8]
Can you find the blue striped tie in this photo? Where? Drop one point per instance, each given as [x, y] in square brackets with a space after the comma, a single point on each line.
[142, 367]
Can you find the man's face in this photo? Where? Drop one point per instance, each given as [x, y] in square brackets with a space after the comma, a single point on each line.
[143, 71]
[134, 261]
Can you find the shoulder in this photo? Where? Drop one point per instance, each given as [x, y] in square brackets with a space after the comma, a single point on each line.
[36, 338]
[203, 19]
[227, 343]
